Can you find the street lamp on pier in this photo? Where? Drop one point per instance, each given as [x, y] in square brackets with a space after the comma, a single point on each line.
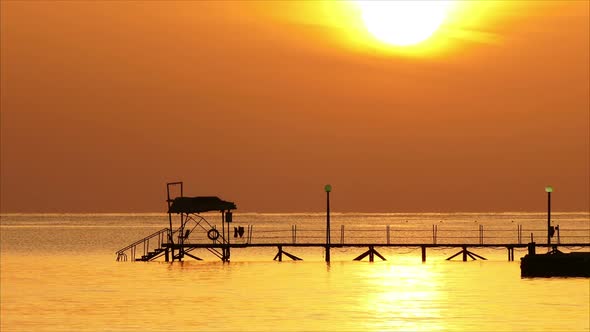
[327, 189]
[549, 190]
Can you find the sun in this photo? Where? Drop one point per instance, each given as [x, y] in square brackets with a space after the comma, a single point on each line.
[403, 22]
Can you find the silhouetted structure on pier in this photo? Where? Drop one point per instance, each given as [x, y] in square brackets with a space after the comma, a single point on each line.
[195, 232]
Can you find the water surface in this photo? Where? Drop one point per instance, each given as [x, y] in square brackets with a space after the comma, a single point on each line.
[58, 273]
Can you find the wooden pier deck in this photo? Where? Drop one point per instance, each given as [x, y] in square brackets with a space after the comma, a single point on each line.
[371, 252]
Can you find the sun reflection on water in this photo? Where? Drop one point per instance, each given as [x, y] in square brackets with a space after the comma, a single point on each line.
[409, 299]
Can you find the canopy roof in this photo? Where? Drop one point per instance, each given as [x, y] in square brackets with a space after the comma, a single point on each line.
[200, 204]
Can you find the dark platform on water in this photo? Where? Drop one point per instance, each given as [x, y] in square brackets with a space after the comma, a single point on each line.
[556, 264]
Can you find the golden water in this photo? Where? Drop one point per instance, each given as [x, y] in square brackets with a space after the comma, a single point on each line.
[58, 273]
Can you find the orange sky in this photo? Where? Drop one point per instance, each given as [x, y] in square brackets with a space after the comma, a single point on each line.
[263, 103]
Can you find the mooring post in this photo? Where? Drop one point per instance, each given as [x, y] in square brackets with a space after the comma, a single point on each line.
[531, 248]
[423, 254]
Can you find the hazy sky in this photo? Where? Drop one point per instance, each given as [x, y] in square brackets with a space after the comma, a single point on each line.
[102, 103]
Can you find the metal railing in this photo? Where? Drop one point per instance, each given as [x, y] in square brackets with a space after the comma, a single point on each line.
[157, 239]
[438, 234]
[383, 234]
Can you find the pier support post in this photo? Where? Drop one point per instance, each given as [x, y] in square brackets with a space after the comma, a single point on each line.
[464, 252]
[423, 254]
[371, 253]
[510, 253]
[167, 255]
[279, 255]
[225, 253]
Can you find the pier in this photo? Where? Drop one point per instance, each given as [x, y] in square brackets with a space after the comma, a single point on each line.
[196, 232]
[141, 254]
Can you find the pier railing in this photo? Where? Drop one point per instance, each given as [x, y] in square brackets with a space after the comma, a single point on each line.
[153, 245]
[401, 234]
[144, 246]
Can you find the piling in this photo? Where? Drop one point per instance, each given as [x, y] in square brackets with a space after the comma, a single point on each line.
[531, 247]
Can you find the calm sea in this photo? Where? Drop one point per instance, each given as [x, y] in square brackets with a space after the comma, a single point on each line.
[58, 273]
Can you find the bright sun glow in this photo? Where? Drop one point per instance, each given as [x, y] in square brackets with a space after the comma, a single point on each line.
[403, 22]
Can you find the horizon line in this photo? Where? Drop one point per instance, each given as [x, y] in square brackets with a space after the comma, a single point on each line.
[316, 212]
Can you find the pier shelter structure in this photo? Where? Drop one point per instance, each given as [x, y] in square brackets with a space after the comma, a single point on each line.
[193, 225]
[175, 244]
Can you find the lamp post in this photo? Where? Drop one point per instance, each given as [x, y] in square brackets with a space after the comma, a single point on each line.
[549, 190]
[327, 189]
